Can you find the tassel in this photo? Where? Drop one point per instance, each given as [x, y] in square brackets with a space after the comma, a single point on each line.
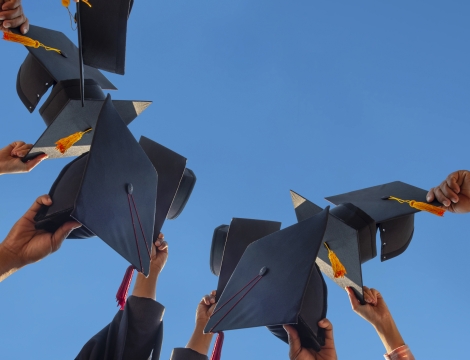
[121, 295]
[338, 268]
[421, 206]
[66, 3]
[219, 342]
[66, 143]
[26, 41]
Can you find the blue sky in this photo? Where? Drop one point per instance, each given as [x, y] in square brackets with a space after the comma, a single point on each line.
[263, 97]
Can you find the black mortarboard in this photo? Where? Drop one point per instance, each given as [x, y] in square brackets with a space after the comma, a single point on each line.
[43, 69]
[63, 114]
[103, 29]
[111, 191]
[175, 182]
[394, 219]
[350, 234]
[277, 282]
[229, 243]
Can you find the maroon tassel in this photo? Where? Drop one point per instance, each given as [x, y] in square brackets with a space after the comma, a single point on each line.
[121, 295]
[217, 351]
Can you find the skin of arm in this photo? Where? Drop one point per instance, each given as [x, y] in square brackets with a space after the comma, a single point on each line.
[147, 287]
[199, 341]
[376, 312]
[12, 16]
[10, 158]
[297, 352]
[453, 192]
[25, 245]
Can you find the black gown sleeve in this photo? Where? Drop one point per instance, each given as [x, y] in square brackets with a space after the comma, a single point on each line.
[187, 354]
[136, 333]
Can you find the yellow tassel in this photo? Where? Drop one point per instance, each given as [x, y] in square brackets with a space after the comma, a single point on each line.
[421, 206]
[26, 41]
[66, 143]
[66, 3]
[338, 268]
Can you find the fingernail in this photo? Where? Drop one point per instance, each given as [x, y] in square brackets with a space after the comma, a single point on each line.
[158, 243]
[428, 198]
[23, 31]
[455, 201]
[446, 202]
[6, 26]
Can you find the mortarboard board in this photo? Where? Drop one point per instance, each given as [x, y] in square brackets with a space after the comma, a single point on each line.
[277, 282]
[42, 69]
[103, 29]
[350, 235]
[175, 182]
[395, 220]
[63, 114]
[230, 242]
[111, 191]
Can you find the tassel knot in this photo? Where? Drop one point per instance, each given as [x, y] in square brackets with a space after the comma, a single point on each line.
[338, 268]
[66, 143]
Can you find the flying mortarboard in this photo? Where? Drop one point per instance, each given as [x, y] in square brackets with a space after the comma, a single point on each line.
[44, 68]
[70, 126]
[395, 219]
[175, 181]
[230, 242]
[111, 191]
[277, 282]
[350, 240]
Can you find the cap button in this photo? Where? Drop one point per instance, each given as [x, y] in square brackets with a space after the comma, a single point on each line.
[263, 271]
[130, 189]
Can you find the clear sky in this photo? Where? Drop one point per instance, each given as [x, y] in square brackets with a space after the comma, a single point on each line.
[321, 97]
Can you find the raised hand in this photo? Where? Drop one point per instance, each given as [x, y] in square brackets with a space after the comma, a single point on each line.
[453, 192]
[297, 352]
[10, 158]
[12, 16]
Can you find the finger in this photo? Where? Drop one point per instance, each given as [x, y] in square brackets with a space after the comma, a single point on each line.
[328, 326]
[12, 4]
[212, 299]
[449, 193]
[15, 22]
[31, 164]
[163, 246]
[294, 341]
[430, 195]
[61, 234]
[377, 295]
[22, 150]
[40, 201]
[25, 27]
[11, 15]
[15, 146]
[352, 298]
[213, 292]
[452, 182]
[441, 197]
[206, 300]
[159, 240]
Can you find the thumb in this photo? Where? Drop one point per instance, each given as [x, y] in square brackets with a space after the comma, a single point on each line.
[31, 164]
[61, 234]
[295, 346]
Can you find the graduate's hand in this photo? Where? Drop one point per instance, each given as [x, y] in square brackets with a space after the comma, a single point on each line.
[453, 192]
[12, 16]
[10, 158]
[159, 255]
[199, 341]
[25, 245]
[297, 352]
[376, 312]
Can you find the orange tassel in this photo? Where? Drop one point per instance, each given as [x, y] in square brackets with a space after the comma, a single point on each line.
[26, 41]
[338, 268]
[66, 143]
[421, 206]
[66, 3]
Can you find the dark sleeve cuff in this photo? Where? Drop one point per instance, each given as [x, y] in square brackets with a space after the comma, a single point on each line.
[187, 354]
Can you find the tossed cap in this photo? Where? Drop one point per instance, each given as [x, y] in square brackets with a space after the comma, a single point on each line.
[43, 69]
[174, 185]
[230, 242]
[277, 282]
[63, 114]
[350, 235]
[395, 220]
[104, 30]
[110, 190]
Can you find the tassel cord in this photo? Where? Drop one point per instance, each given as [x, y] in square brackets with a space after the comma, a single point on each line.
[421, 206]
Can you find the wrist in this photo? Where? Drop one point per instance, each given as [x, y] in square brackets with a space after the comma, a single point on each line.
[389, 334]
[8, 262]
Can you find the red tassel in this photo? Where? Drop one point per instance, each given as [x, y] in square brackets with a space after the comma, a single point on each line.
[121, 295]
[217, 351]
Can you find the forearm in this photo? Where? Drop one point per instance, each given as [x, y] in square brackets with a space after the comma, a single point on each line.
[146, 287]
[8, 265]
[389, 334]
[199, 341]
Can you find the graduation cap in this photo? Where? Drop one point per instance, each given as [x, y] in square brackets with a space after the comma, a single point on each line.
[349, 241]
[175, 181]
[52, 58]
[277, 282]
[103, 30]
[392, 206]
[70, 126]
[230, 242]
[110, 190]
